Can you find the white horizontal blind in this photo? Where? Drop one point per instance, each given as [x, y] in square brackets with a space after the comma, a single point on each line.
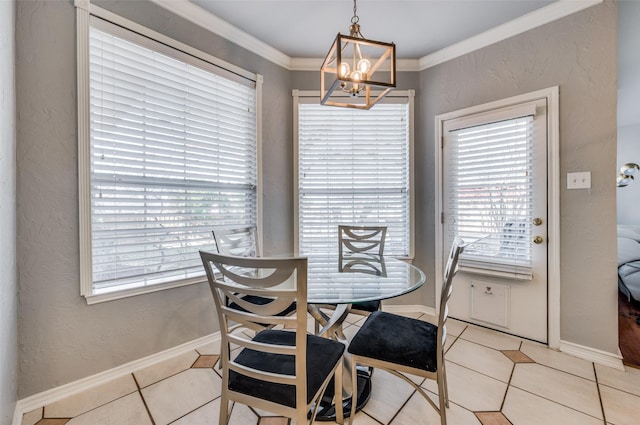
[490, 193]
[353, 169]
[173, 153]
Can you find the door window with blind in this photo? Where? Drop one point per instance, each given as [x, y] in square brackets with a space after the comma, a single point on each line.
[488, 180]
[170, 152]
[354, 168]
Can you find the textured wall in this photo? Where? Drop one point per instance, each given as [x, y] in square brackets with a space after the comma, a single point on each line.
[62, 338]
[578, 54]
[8, 279]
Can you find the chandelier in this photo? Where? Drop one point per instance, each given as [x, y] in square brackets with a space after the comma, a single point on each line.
[357, 73]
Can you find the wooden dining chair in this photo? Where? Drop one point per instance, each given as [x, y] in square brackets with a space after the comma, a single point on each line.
[403, 345]
[282, 369]
[241, 241]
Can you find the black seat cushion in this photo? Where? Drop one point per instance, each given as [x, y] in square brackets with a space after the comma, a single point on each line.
[369, 306]
[254, 299]
[322, 355]
[397, 339]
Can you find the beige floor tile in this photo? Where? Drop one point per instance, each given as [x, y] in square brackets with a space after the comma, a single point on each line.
[152, 374]
[30, 418]
[523, 408]
[126, 410]
[563, 388]
[627, 380]
[362, 418]
[620, 408]
[481, 359]
[419, 411]
[388, 394]
[557, 360]
[242, 415]
[455, 327]
[180, 394]
[207, 414]
[490, 338]
[470, 389]
[91, 398]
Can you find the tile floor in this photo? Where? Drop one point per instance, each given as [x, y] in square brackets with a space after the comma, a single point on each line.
[494, 379]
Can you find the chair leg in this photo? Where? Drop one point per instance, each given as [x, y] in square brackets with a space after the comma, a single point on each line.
[442, 398]
[444, 384]
[354, 390]
[337, 398]
[224, 411]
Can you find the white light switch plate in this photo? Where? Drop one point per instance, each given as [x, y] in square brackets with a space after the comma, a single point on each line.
[580, 180]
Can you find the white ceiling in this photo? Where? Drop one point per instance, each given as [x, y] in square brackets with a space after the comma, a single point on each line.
[306, 28]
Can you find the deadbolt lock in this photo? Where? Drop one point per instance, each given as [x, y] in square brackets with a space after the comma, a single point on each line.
[538, 240]
[537, 221]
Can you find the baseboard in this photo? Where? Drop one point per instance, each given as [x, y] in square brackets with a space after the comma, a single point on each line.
[593, 355]
[58, 393]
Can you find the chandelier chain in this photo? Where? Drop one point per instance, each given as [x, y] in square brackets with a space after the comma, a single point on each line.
[355, 18]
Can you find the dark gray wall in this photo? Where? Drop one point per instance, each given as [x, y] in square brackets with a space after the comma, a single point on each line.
[578, 54]
[62, 339]
[8, 278]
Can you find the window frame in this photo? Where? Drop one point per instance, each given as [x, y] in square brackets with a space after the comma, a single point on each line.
[84, 11]
[496, 265]
[313, 96]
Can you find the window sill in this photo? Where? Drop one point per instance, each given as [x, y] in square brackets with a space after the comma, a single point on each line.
[116, 295]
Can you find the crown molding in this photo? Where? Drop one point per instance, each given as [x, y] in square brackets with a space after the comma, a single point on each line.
[542, 16]
[531, 20]
[199, 16]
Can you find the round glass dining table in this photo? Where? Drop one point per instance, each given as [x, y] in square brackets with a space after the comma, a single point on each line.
[340, 282]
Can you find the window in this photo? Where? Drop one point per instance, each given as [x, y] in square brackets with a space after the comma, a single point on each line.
[354, 167]
[171, 151]
[489, 187]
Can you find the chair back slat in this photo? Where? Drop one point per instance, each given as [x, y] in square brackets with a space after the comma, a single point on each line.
[263, 376]
[246, 275]
[360, 239]
[260, 346]
[239, 241]
[258, 322]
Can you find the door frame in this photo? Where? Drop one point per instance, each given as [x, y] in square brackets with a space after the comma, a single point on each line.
[553, 197]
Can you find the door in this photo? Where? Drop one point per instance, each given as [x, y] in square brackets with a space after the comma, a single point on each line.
[494, 196]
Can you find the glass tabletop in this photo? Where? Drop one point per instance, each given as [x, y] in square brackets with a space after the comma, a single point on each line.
[359, 278]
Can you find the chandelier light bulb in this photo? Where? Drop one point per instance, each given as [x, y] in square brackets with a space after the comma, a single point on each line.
[364, 66]
[357, 75]
[344, 69]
